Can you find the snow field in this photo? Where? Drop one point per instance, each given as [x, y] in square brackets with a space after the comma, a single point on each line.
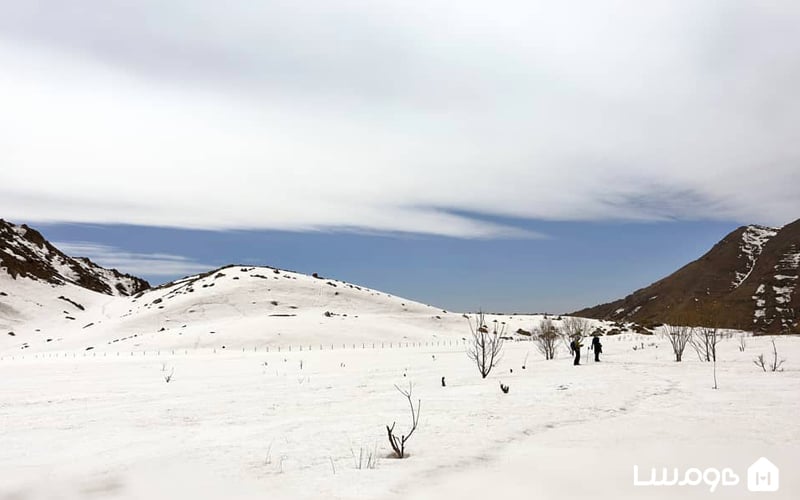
[247, 425]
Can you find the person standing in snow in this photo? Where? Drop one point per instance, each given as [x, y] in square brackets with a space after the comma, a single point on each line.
[575, 347]
[597, 347]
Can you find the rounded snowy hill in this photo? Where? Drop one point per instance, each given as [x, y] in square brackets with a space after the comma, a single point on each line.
[242, 306]
[53, 302]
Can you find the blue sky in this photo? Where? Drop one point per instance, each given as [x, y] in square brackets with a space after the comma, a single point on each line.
[576, 265]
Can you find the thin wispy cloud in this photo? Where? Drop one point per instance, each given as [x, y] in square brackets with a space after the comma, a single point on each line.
[137, 264]
[398, 116]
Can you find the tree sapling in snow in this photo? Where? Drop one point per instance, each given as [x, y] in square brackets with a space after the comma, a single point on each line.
[678, 337]
[398, 444]
[775, 365]
[485, 347]
[546, 336]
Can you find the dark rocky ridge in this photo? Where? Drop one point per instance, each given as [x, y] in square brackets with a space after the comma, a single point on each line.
[25, 253]
[747, 281]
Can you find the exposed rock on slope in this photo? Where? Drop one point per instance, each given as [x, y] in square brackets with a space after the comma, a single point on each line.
[25, 253]
[748, 280]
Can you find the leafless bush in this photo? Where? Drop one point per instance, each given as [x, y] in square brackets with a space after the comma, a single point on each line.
[546, 337]
[742, 342]
[398, 444]
[485, 347]
[504, 388]
[573, 327]
[704, 341]
[678, 337]
[775, 365]
[168, 378]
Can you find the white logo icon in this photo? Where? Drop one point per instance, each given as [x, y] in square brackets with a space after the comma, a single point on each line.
[763, 475]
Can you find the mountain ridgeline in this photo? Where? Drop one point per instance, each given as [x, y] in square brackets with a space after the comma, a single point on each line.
[746, 281]
[25, 253]
[52, 302]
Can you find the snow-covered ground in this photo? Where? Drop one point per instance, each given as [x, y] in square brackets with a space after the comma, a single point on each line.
[280, 384]
[233, 424]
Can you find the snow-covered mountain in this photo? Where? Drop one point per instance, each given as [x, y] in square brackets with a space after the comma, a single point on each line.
[50, 301]
[748, 280]
[41, 284]
[25, 253]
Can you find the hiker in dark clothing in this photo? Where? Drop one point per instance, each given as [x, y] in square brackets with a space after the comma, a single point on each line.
[575, 347]
[597, 347]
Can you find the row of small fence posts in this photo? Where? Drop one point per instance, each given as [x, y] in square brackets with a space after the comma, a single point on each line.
[265, 349]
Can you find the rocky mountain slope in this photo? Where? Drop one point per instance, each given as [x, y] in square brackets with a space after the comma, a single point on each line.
[41, 284]
[25, 253]
[748, 280]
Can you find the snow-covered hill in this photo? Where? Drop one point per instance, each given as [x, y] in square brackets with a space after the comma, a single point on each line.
[45, 305]
[257, 306]
[239, 307]
[41, 285]
[234, 305]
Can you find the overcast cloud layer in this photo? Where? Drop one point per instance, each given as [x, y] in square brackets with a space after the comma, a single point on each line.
[398, 116]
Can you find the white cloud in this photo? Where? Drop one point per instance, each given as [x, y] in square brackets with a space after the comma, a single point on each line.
[137, 264]
[398, 116]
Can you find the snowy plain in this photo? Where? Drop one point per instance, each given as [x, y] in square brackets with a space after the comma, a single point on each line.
[282, 383]
[233, 424]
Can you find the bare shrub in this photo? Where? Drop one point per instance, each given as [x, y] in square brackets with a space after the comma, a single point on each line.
[168, 378]
[678, 337]
[546, 337]
[573, 327]
[742, 342]
[485, 347]
[761, 362]
[775, 365]
[704, 341]
[398, 444]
